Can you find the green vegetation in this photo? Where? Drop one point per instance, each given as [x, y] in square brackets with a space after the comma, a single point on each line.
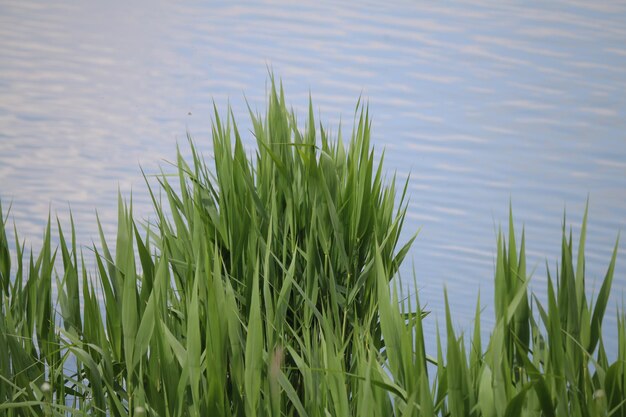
[263, 289]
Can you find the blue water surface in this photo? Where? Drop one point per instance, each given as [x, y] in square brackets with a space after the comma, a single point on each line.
[483, 103]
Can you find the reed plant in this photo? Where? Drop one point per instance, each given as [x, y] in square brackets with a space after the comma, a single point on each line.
[262, 288]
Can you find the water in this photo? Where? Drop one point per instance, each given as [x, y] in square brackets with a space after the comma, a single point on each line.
[483, 103]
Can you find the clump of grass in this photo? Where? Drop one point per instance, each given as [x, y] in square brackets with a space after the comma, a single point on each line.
[262, 289]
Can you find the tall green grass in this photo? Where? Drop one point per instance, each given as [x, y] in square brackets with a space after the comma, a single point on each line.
[262, 288]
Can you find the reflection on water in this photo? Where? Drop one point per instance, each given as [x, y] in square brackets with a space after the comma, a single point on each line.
[482, 103]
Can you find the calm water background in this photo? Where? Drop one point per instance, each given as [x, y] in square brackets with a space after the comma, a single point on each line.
[482, 102]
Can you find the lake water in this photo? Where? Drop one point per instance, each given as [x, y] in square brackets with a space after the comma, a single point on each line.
[483, 103]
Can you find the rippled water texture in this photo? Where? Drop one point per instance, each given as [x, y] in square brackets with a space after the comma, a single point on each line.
[482, 102]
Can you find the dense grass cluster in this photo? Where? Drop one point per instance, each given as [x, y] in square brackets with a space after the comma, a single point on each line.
[263, 289]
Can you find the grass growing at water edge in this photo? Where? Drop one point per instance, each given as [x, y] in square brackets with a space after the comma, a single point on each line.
[264, 290]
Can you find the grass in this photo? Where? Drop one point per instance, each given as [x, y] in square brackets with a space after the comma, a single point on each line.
[263, 289]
